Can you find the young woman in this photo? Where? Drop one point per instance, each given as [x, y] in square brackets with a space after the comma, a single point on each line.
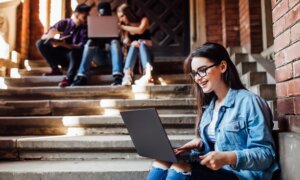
[137, 36]
[234, 126]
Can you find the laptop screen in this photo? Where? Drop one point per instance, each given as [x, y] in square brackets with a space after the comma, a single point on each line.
[148, 135]
[103, 27]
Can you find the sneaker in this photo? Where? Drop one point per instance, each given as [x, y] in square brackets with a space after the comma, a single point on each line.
[127, 80]
[144, 80]
[117, 80]
[80, 81]
[54, 72]
[65, 82]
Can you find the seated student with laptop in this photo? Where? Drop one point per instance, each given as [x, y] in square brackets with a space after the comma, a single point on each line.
[103, 46]
[234, 125]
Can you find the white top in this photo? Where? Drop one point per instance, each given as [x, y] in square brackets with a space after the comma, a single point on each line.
[211, 129]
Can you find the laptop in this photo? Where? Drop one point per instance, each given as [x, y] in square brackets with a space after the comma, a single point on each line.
[149, 137]
[103, 27]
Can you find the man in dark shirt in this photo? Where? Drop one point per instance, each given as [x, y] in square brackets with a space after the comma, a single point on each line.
[67, 50]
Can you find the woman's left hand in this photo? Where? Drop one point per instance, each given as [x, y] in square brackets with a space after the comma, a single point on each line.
[216, 159]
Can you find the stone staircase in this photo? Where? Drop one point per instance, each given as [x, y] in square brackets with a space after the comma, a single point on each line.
[47, 132]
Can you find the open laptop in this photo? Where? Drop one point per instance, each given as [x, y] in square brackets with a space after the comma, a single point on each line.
[149, 137]
[103, 27]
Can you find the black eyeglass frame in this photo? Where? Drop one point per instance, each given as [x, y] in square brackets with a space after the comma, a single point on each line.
[193, 74]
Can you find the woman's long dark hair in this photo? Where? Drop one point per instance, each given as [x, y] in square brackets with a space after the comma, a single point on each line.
[128, 12]
[215, 53]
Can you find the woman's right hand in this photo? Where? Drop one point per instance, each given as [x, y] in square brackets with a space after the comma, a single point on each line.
[135, 44]
[196, 143]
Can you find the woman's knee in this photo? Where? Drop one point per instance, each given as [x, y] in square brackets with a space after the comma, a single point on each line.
[181, 167]
[161, 164]
[115, 42]
[88, 43]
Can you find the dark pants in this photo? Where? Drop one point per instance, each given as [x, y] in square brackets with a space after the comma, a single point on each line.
[61, 56]
[202, 172]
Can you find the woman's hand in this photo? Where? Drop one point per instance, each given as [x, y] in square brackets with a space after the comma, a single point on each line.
[216, 159]
[135, 44]
[196, 143]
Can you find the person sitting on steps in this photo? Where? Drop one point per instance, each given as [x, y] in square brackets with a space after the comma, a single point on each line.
[102, 52]
[137, 36]
[67, 50]
[233, 127]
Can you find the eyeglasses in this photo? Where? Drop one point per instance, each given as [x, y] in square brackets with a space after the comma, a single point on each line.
[201, 72]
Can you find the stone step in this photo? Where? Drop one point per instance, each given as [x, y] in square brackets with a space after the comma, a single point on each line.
[75, 170]
[37, 81]
[254, 78]
[236, 49]
[137, 92]
[239, 57]
[245, 67]
[80, 125]
[78, 131]
[28, 64]
[162, 65]
[68, 147]
[267, 91]
[94, 107]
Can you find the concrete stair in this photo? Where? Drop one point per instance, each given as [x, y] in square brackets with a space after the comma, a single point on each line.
[75, 170]
[256, 74]
[88, 92]
[90, 107]
[173, 64]
[91, 147]
[87, 125]
[40, 81]
[47, 132]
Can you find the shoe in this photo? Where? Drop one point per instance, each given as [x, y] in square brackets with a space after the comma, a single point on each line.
[65, 82]
[54, 72]
[127, 79]
[80, 81]
[144, 80]
[117, 80]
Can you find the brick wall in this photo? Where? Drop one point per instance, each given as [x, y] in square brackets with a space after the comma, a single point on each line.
[213, 21]
[250, 25]
[230, 23]
[286, 30]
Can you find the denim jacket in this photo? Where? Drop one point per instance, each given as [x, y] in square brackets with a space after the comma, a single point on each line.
[244, 126]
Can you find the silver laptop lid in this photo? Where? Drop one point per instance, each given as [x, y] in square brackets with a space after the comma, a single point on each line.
[103, 27]
[148, 135]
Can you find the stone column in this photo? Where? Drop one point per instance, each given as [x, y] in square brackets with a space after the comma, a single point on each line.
[25, 29]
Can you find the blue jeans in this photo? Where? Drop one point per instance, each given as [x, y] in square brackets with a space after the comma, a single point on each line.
[168, 174]
[102, 57]
[198, 172]
[145, 56]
